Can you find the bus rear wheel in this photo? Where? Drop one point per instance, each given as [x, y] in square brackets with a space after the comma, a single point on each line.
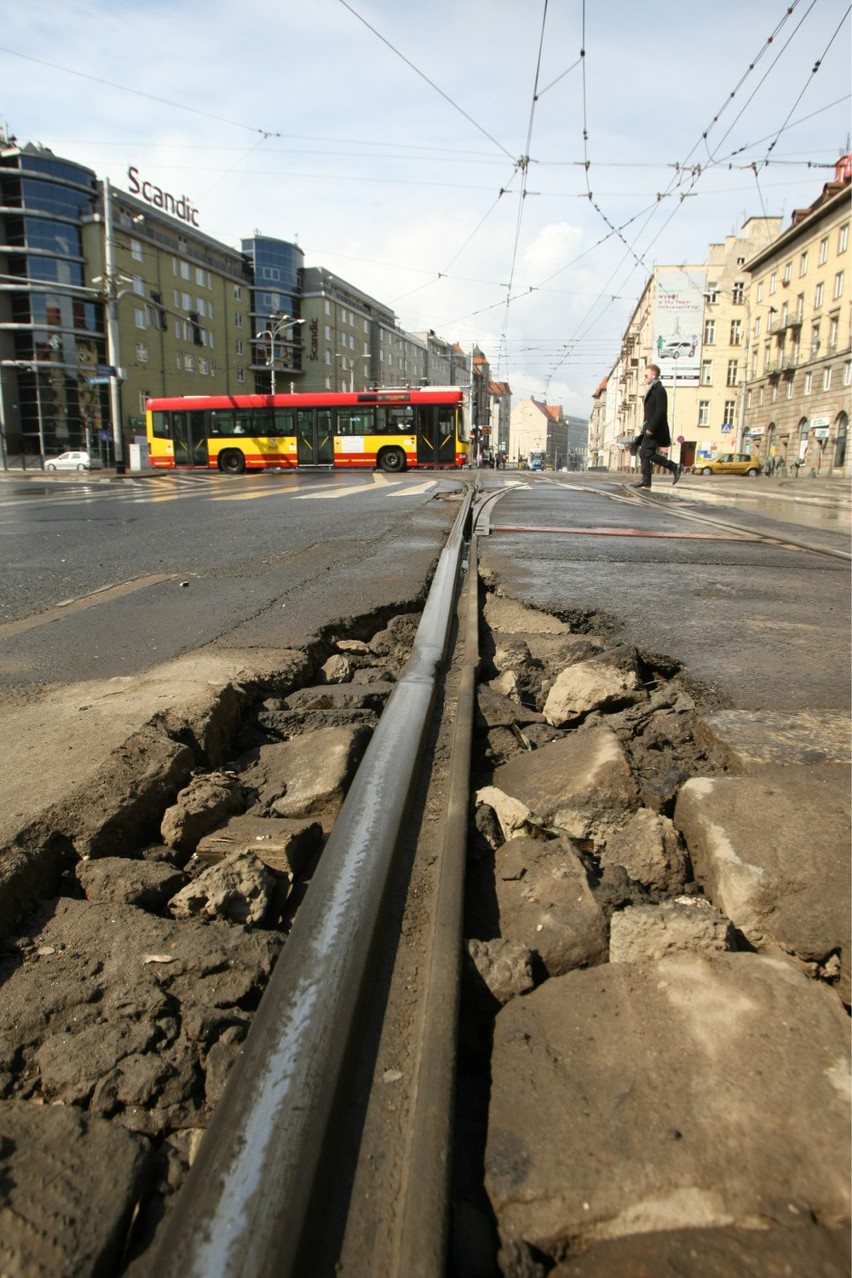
[232, 462]
[392, 459]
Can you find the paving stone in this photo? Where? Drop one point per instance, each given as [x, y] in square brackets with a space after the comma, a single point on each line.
[746, 740]
[685, 925]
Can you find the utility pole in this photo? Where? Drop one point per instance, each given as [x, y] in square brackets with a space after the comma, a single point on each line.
[111, 286]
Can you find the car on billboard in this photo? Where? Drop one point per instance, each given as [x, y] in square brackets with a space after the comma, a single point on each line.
[677, 350]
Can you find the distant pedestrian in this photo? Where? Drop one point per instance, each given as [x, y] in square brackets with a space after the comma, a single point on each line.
[655, 429]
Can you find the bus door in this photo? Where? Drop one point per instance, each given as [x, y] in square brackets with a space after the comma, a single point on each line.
[314, 440]
[436, 435]
[189, 432]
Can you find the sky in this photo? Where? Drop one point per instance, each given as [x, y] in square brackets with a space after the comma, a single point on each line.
[504, 172]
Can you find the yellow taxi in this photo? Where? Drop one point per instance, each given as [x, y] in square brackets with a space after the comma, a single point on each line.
[728, 464]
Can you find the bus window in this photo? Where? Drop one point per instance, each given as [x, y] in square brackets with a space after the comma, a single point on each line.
[395, 421]
[161, 426]
[244, 424]
[221, 422]
[263, 422]
[355, 421]
[285, 422]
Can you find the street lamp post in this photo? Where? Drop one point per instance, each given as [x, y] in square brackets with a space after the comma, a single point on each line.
[276, 326]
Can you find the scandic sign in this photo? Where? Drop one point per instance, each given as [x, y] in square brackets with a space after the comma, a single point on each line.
[180, 208]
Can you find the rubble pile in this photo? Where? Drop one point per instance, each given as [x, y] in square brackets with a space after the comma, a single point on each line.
[657, 928]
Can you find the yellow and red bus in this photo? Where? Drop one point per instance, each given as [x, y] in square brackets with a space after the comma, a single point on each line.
[391, 429]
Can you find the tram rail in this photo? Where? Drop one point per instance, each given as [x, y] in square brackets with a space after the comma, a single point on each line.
[254, 1201]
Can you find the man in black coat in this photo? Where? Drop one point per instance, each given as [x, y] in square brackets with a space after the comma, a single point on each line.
[655, 429]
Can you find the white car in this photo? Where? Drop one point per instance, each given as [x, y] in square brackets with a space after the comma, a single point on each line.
[73, 461]
[677, 350]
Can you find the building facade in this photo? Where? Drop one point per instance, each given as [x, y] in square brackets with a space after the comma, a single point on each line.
[52, 337]
[800, 369]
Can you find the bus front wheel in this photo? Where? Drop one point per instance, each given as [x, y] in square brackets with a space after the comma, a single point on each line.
[232, 462]
[392, 459]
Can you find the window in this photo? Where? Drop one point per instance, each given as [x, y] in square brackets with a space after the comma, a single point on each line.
[800, 308]
[760, 396]
[241, 374]
[738, 292]
[826, 379]
[137, 252]
[736, 332]
[138, 285]
[712, 294]
[240, 348]
[773, 283]
[238, 319]
[838, 285]
[204, 367]
[709, 332]
[140, 317]
[200, 276]
[790, 388]
[843, 238]
[142, 352]
[757, 327]
[185, 271]
[754, 364]
[238, 293]
[707, 372]
[818, 295]
[809, 383]
[326, 307]
[847, 373]
[730, 409]
[815, 339]
[803, 263]
[186, 301]
[823, 252]
[788, 272]
[189, 363]
[733, 369]
[760, 291]
[833, 332]
[704, 412]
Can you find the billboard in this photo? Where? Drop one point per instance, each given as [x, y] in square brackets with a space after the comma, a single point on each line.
[678, 324]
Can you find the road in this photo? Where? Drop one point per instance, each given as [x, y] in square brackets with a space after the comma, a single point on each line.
[686, 573]
[106, 578]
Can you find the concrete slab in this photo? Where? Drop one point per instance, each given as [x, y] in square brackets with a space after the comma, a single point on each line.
[773, 854]
[745, 740]
[694, 1092]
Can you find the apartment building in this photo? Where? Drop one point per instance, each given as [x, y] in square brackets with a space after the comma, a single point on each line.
[692, 320]
[537, 428]
[500, 397]
[800, 368]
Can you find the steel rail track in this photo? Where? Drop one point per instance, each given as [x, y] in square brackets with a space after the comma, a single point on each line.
[249, 1204]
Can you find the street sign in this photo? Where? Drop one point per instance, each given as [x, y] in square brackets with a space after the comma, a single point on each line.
[98, 381]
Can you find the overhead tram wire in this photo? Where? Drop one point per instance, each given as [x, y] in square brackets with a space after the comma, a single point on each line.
[425, 77]
[523, 164]
[695, 172]
[140, 93]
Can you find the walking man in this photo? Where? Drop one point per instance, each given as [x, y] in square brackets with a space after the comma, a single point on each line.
[655, 429]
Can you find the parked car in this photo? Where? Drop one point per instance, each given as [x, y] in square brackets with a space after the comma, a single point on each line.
[73, 461]
[728, 464]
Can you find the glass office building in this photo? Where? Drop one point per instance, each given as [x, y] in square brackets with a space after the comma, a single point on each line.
[276, 300]
[52, 343]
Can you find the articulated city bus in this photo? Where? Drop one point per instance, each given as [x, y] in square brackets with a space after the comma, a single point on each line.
[391, 429]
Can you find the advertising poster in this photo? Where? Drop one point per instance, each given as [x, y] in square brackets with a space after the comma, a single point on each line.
[679, 320]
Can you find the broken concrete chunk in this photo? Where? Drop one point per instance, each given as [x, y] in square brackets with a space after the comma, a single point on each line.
[206, 802]
[590, 685]
[635, 1097]
[578, 782]
[286, 846]
[544, 902]
[505, 967]
[338, 669]
[791, 890]
[146, 884]
[240, 889]
[647, 847]
[308, 775]
[686, 925]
